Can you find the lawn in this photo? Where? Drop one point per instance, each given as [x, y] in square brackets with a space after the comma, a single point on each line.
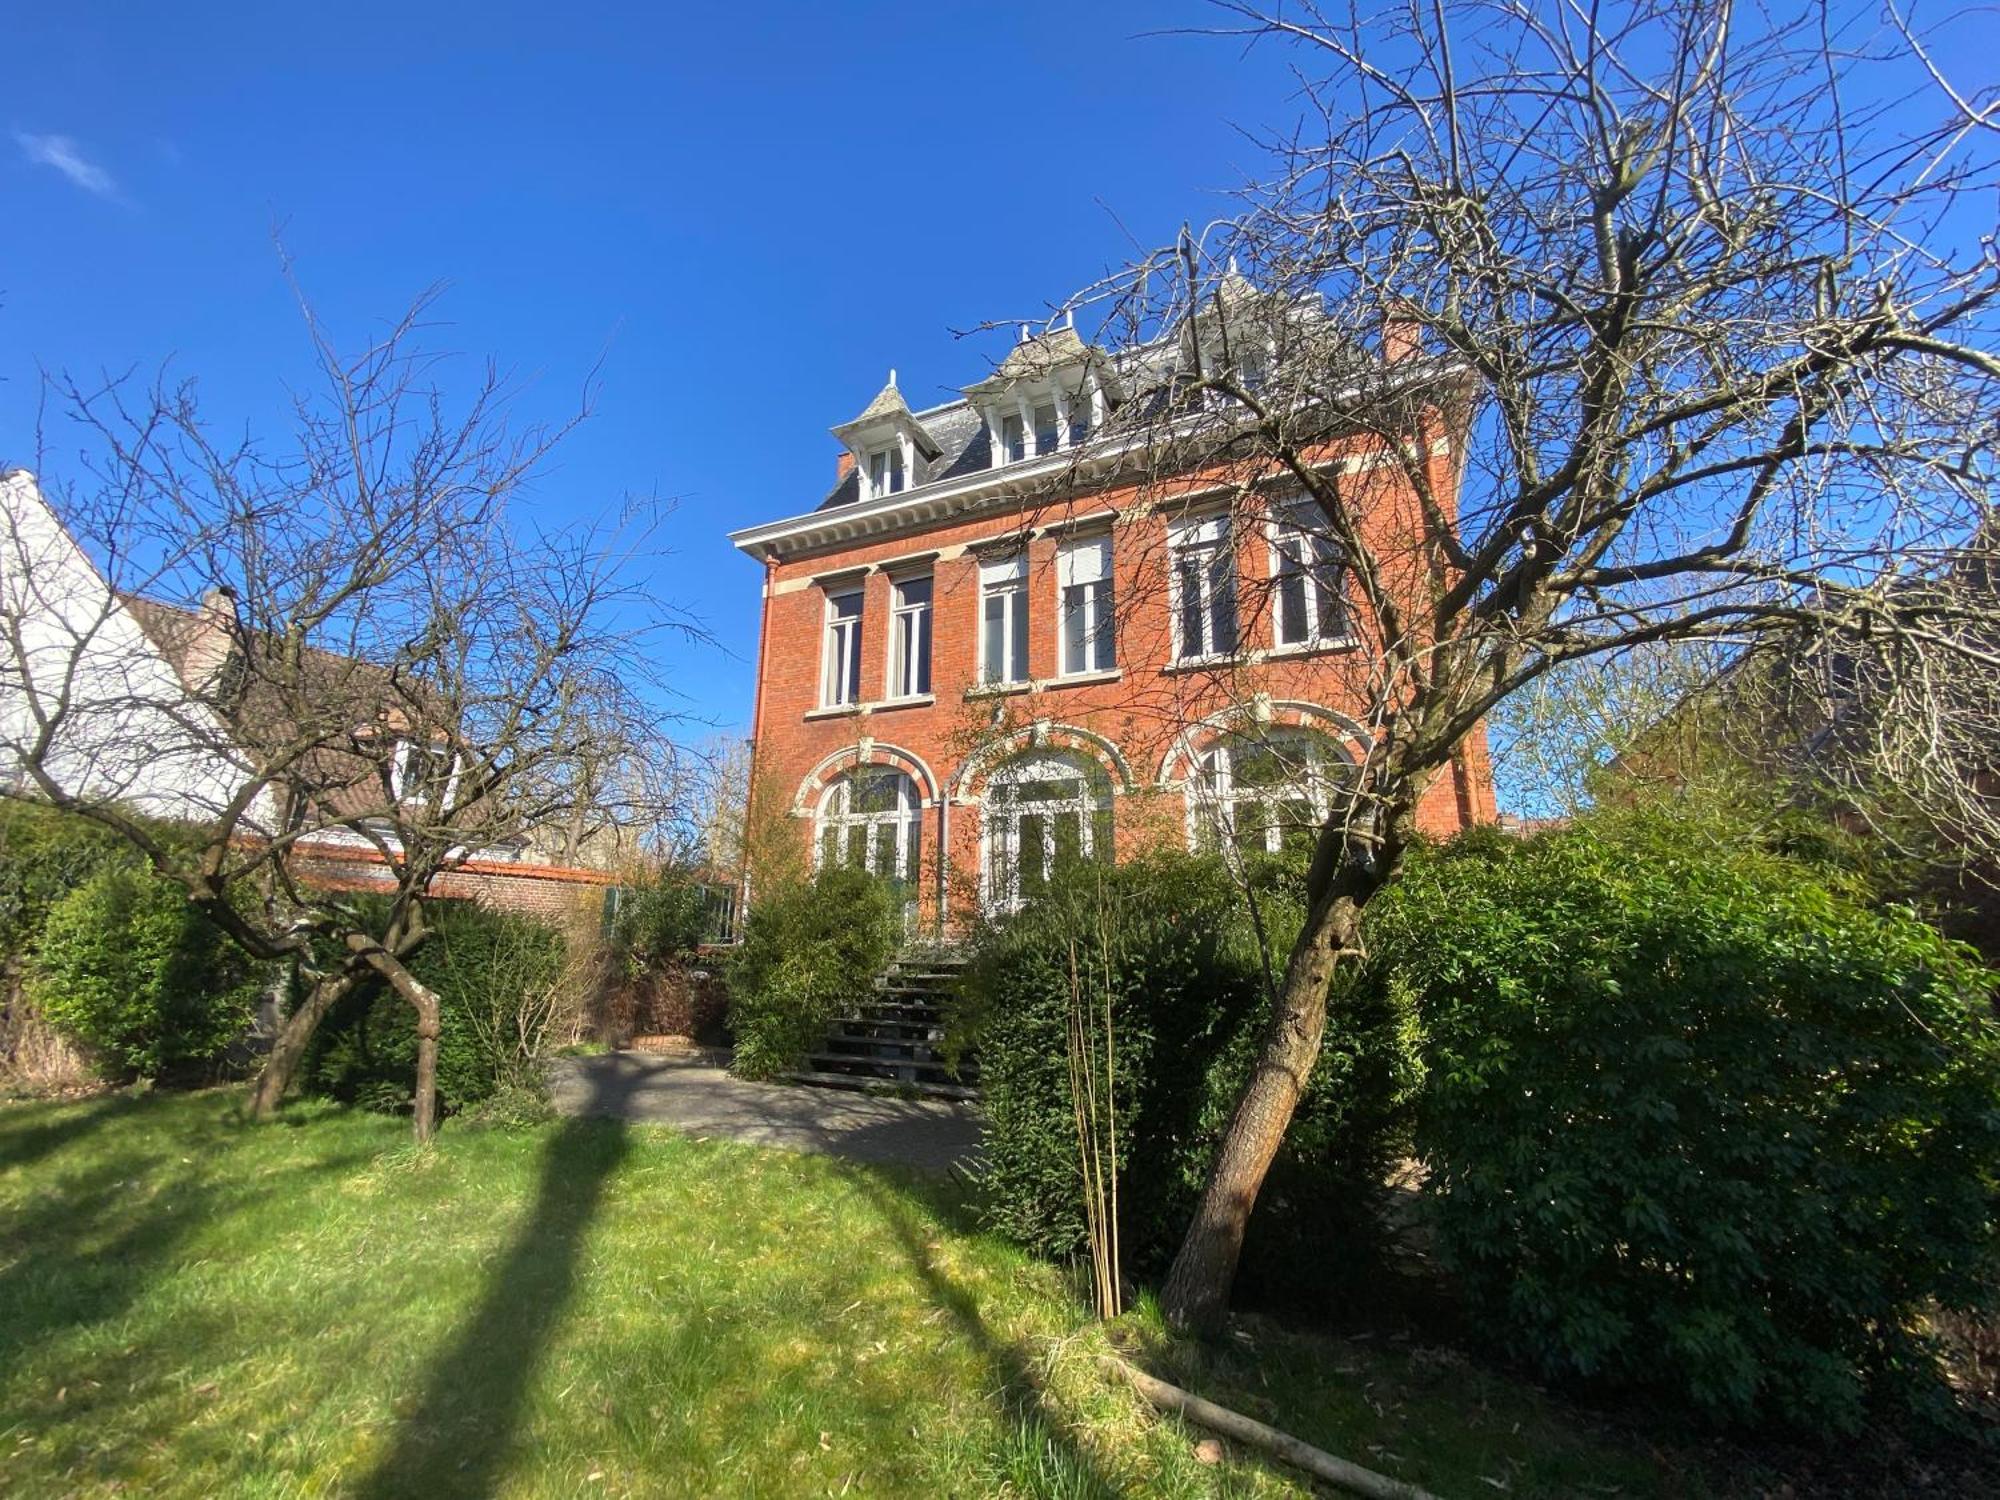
[193, 1306]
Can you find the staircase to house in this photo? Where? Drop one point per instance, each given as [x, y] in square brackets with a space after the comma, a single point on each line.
[892, 1040]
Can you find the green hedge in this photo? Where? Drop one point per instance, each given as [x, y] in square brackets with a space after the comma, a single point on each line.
[808, 951]
[1696, 1119]
[128, 967]
[1171, 936]
[485, 966]
[44, 855]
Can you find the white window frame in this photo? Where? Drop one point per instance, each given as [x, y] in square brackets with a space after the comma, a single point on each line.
[840, 650]
[912, 634]
[1214, 799]
[1322, 582]
[1086, 564]
[1000, 820]
[1005, 578]
[1211, 537]
[836, 816]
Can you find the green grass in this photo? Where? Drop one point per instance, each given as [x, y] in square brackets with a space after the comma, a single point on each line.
[193, 1306]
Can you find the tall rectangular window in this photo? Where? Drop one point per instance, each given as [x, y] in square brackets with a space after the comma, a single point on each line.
[1083, 573]
[1013, 438]
[910, 639]
[1204, 590]
[1306, 589]
[1003, 620]
[885, 471]
[840, 670]
[1047, 432]
[1079, 418]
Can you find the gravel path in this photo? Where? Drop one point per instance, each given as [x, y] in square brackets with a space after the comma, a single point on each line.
[696, 1096]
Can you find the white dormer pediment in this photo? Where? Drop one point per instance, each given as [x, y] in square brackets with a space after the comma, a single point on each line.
[888, 443]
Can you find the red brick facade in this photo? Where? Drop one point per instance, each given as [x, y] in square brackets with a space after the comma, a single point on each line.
[1142, 724]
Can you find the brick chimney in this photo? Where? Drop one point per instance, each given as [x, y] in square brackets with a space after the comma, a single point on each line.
[1402, 335]
[843, 465]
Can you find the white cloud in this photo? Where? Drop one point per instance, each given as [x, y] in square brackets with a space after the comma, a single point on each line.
[63, 153]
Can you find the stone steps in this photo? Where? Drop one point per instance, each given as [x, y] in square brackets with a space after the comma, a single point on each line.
[892, 1041]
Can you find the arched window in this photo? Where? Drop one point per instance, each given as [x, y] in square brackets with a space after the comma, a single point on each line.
[1041, 809]
[1264, 790]
[871, 818]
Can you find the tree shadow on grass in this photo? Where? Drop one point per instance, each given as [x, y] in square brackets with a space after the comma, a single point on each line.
[460, 1437]
[1010, 1366]
[22, 1144]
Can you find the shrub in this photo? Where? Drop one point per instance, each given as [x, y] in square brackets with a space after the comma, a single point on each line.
[502, 982]
[659, 919]
[809, 949]
[1694, 1118]
[44, 855]
[1168, 938]
[128, 967]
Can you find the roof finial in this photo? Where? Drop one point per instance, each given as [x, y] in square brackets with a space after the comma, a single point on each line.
[1232, 264]
[892, 375]
[1026, 334]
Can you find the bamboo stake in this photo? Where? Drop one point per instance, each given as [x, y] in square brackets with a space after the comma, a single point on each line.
[1279, 1445]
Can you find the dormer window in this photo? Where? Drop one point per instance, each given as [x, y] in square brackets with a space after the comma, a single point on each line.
[1047, 429]
[1013, 439]
[885, 471]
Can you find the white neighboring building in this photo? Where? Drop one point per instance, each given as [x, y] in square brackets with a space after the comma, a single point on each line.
[76, 666]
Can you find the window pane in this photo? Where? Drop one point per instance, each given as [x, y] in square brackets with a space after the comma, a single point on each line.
[846, 606]
[1291, 602]
[994, 654]
[1045, 429]
[912, 834]
[923, 649]
[1193, 638]
[1106, 637]
[1012, 439]
[1328, 582]
[895, 469]
[913, 591]
[1222, 601]
[1075, 627]
[1079, 417]
[1069, 837]
[1020, 636]
[853, 645]
[1032, 863]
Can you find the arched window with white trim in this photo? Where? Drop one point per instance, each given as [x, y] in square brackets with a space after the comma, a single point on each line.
[1263, 790]
[871, 818]
[1041, 809]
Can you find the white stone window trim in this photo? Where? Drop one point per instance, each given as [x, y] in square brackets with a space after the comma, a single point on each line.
[1278, 530]
[1096, 795]
[840, 646]
[835, 813]
[1006, 577]
[908, 677]
[1209, 534]
[1212, 797]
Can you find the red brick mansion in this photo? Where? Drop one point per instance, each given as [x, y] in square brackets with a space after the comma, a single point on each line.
[991, 646]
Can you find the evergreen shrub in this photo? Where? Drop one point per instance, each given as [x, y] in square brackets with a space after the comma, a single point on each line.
[1169, 939]
[809, 949]
[127, 966]
[497, 974]
[1696, 1117]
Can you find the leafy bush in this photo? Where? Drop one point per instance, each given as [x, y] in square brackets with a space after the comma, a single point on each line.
[44, 855]
[1694, 1118]
[1168, 940]
[659, 918]
[501, 981]
[128, 967]
[809, 949]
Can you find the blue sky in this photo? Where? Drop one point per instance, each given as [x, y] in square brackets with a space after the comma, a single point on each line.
[751, 212]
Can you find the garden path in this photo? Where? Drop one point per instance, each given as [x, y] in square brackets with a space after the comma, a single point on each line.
[694, 1095]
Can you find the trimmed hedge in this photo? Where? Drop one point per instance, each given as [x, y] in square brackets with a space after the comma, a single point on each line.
[128, 967]
[486, 966]
[1171, 937]
[808, 950]
[1696, 1119]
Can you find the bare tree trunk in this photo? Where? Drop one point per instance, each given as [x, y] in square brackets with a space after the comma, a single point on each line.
[288, 1048]
[1197, 1290]
[424, 1001]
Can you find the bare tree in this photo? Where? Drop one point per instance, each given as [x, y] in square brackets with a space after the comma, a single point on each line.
[1565, 331]
[356, 665]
